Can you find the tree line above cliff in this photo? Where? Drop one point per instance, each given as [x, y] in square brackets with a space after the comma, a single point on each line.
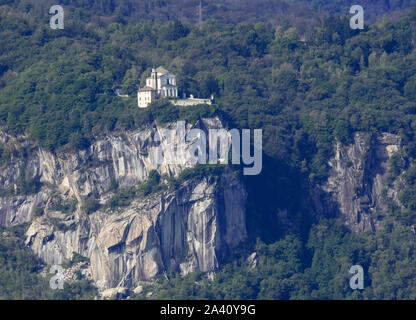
[57, 85]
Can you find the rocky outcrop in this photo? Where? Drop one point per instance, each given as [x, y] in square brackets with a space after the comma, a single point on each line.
[190, 228]
[194, 227]
[357, 187]
[120, 160]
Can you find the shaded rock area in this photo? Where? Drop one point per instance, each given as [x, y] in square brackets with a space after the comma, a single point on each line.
[193, 228]
[357, 188]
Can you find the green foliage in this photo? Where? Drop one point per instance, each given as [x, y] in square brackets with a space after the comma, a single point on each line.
[122, 198]
[397, 164]
[5, 155]
[76, 258]
[154, 178]
[201, 171]
[317, 268]
[407, 198]
[20, 278]
[38, 212]
[165, 112]
[27, 184]
[18, 268]
[61, 225]
[63, 205]
[152, 185]
[90, 205]
[80, 290]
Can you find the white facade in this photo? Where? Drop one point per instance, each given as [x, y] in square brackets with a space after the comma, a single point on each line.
[161, 83]
[145, 96]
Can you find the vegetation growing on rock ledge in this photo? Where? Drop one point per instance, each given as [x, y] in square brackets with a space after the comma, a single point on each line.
[20, 273]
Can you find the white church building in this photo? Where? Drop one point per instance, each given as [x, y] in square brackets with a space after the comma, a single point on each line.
[162, 84]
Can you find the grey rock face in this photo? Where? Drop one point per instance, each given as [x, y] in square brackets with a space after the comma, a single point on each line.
[123, 159]
[358, 180]
[191, 228]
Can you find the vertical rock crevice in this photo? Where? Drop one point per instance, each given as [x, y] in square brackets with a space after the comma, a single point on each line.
[357, 181]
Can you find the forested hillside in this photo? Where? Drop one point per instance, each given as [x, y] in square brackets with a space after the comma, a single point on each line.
[57, 86]
[19, 273]
[373, 8]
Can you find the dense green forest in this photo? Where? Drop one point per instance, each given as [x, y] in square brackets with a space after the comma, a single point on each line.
[372, 7]
[19, 273]
[57, 86]
[315, 269]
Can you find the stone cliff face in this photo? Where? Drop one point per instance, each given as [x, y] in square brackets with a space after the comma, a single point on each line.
[357, 187]
[123, 159]
[187, 229]
[191, 228]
